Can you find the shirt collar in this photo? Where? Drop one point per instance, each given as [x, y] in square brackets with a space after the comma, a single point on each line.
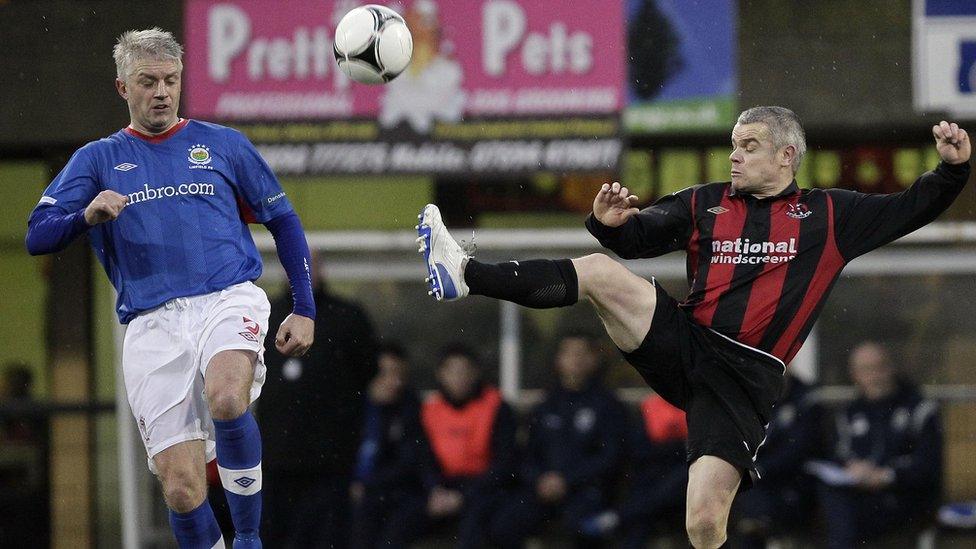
[790, 190]
[160, 137]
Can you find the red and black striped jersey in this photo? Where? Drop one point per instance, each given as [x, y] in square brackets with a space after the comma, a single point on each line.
[760, 270]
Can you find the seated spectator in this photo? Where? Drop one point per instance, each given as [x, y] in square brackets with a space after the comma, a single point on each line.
[574, 451]
[24, 505]
[888, 452]
[782, 500]
[658, 477]
[16, 382]
[472, 454]
[387, 473]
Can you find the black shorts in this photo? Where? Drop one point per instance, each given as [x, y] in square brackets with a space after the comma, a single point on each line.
[726, 389]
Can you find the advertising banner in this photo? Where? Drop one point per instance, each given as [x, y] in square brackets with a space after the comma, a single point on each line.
[681, 67]
[494, 86]
[944, 56]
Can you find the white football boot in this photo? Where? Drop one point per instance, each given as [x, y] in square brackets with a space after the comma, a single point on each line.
[444, 256]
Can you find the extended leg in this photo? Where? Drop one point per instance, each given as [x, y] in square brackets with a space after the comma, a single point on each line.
[624, 301]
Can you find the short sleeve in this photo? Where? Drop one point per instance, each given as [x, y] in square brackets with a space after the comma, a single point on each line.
[75, 187]
[257, 185]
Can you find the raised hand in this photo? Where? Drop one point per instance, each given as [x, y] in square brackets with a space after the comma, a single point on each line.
[105, 207]
[952, 142]
[614, 204]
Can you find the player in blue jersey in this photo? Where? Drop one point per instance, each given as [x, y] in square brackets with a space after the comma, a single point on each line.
[166, 202]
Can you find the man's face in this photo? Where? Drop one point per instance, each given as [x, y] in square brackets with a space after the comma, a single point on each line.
[576, 361]
[458, 376]
[152, 91]
[870, 370]
[388, 384]
[756, 163]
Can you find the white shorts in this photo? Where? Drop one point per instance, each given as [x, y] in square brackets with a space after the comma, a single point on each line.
[165, 355]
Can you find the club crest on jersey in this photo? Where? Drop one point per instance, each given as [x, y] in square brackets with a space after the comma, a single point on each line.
[798, 211]
[251, 330]
[199, 155]
[717, 210]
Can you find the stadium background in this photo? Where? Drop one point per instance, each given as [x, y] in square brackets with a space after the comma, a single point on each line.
[845, 67]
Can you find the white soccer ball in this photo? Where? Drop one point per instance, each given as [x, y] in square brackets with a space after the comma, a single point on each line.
[373, 44]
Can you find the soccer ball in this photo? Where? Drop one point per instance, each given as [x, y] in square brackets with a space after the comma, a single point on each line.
[373, 44]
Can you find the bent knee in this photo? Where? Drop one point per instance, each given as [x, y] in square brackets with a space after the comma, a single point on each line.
[706, 527]
[707, 534]
[601, 276]
[226, 403]
[597, 267]
[183, 492]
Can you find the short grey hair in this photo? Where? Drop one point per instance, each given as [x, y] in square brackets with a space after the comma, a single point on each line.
[154, 43]
[784, 128]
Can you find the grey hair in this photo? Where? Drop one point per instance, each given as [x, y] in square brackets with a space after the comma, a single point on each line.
[784, 128]
[154, 43]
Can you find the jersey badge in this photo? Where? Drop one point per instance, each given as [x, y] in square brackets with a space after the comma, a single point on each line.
[199, 155]
[798, 211]
[717, 210]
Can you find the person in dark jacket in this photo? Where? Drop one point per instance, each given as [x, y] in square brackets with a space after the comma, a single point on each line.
[387, 475]
[889, 446]
[472, 455]
[782, 502]
[658, 476]
[311, 413]
[576, 441]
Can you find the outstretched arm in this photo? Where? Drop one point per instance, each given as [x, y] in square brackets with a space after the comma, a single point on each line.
[631, 233]
[868, 221]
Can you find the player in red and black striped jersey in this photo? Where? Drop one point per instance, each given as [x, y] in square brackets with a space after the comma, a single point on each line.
[762, 257]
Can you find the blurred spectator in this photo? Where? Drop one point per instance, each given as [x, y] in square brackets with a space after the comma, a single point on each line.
[473, 453]
[16, 384]
[311, 413]
[387, 475]
[889, 448]
[574, 451]
[659, 475]
[24, 517]
[782, 501]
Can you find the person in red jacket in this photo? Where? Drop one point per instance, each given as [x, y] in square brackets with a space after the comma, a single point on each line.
[472, 458]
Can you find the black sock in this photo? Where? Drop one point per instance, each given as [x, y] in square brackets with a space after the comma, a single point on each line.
[536, 283]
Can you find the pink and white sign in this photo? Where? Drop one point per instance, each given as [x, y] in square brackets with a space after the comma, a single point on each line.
[267, 60]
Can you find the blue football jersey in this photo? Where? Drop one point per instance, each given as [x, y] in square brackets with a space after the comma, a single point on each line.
[184, 231]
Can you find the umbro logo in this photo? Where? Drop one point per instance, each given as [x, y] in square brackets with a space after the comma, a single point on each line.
[125, 166]
[717, 210]
[244, 482]
[251, 330]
